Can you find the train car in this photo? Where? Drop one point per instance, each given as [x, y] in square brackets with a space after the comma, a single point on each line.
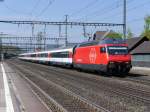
[53, 57]
[109, 55]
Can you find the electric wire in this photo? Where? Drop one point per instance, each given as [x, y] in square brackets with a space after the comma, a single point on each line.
[46, 8]
[13, 10]
[34, 7]
[104, 10]
[84, 8]
[128, 10]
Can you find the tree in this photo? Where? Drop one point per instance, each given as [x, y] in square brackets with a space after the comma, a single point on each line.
[146, 31]
[114, 35]
[129, 34]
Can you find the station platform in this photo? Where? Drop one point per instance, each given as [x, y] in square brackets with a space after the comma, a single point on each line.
[2, 93]
[16, 95]
[140, 70]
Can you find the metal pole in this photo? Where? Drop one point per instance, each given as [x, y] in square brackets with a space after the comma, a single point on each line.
[0, 49]
[66, 31]
[59, 31]
[84, 31]
[31, 37]
[124, 18]
[44, 37]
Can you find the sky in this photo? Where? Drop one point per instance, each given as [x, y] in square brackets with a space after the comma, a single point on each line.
[108, 11]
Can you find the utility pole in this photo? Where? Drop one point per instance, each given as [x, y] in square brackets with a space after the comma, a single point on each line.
[66, 31]
[124, 18]
[0, 48]
[59, 31]
[84, 31]
[39, 40]
[44, 37]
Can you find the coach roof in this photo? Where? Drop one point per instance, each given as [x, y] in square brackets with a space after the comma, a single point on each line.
[42, 52]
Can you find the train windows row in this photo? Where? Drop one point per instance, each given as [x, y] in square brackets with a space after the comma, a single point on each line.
[43, 55]
[60, 55]
[53, 55]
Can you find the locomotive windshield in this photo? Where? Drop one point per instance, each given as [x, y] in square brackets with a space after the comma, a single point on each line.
[117, 50]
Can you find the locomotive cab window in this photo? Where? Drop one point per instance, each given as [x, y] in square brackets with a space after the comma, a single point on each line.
[117, 50]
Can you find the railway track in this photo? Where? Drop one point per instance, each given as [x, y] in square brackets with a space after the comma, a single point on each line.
[134, 97]
[70, 102]
[141, 92]
[139, 80]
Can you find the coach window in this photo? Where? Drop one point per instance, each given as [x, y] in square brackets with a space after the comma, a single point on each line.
[33, 55]
[54, 55]
[39, 55]
[44, 55]
[64, 54]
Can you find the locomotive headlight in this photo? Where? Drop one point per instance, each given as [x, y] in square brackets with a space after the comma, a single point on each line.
[111, 62]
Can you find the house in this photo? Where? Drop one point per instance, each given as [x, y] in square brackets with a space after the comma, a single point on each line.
[141, 54]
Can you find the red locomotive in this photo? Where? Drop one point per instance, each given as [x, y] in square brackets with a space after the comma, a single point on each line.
[108, 55]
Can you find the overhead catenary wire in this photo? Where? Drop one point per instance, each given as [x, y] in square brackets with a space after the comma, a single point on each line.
[135, 20]
[14, 10]
[46, 8]
[119, 5]
[101, 11]
[34, 7]
[106, 10]
[136, 7]
[129, 10]
[86, 7]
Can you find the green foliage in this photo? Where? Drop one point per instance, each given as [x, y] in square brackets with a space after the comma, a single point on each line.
[129, 34]
[146, 31]
[114, 35]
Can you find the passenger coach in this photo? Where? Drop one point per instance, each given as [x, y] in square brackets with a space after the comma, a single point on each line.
[108, 55]
[59, 56]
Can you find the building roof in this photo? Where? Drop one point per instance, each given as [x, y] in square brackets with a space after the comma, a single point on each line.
[144, 48]
[99, 35]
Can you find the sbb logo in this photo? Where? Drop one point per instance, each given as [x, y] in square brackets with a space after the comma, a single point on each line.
[92, 55]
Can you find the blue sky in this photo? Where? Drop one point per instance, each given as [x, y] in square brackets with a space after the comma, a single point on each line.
[78, 10]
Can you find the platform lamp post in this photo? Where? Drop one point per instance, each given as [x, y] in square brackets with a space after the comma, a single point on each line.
[1, 47]
[66, 31]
